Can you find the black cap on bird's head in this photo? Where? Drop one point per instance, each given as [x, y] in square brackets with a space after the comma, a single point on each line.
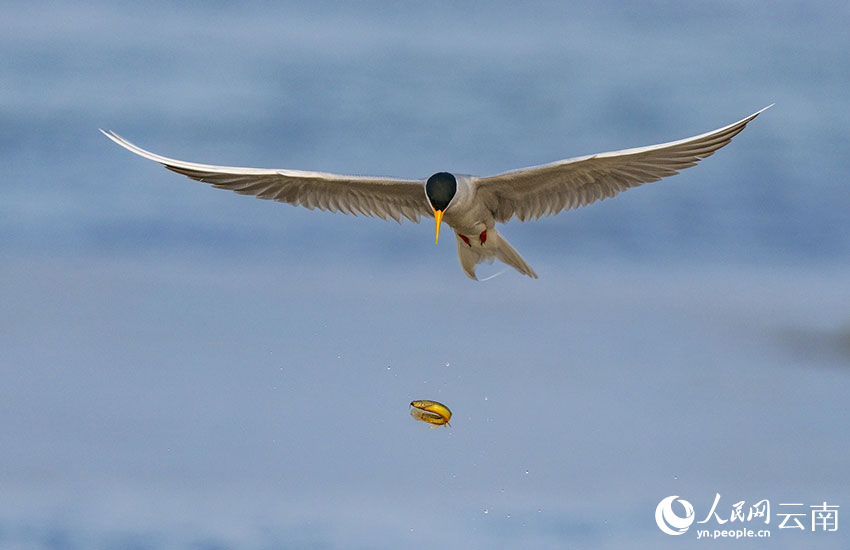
[440, 189]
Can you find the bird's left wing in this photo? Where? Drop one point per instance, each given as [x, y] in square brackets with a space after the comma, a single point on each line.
[379, 197]
[550, 188]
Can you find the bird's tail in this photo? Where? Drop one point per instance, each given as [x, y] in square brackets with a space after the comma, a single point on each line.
[495, 247]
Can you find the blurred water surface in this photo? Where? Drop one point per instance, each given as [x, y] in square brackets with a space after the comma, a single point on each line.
[187, 368]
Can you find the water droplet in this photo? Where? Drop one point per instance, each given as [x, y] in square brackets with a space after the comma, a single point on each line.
[486, 511]
[675, 477]
[389, 367]
[509, 516]
[485, 398]
[448, 364]
[526, 472]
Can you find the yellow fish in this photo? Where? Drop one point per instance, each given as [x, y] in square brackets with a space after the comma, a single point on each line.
[431, 412]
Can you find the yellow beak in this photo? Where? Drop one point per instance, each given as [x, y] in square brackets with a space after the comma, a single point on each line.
[438, 215]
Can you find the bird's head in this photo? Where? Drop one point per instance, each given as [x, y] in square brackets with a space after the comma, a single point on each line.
[440, 189]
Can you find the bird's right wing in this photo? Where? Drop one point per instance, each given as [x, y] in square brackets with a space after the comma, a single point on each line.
[548, 189]
[379, 197]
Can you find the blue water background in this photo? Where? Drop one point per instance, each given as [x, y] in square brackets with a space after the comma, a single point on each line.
[182, 367]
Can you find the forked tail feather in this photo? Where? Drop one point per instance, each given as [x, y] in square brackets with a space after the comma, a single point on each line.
[495, 247]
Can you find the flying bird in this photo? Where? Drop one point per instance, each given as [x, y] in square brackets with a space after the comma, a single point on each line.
[470, 205]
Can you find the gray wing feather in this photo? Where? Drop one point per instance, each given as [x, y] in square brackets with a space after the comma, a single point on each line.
[550, 188]
[379, 197]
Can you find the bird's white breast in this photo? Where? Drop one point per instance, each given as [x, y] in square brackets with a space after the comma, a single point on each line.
[467, 214]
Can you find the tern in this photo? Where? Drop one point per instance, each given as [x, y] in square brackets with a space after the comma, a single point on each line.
[470, 205]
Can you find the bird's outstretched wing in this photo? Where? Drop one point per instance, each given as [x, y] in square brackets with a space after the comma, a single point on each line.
[379, 197]
[550, 188]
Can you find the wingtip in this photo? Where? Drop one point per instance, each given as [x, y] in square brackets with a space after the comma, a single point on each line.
[748, 119]
[763, 109]
[110, 134]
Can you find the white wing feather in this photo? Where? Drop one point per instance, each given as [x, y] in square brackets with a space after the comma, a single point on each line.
[550, 188]
[379, 197]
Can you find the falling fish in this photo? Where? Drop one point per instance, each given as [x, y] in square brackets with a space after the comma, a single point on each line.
[431, 412]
